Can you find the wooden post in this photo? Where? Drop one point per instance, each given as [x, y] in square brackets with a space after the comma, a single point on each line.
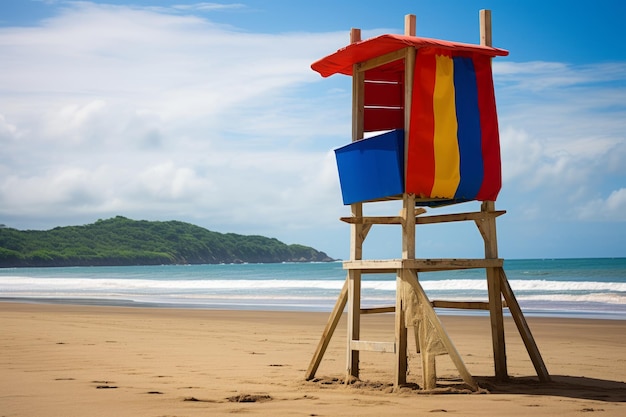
[357, 234]
[354, 324]
[408, 252]
[409, 25]
[355, 35]
[408, 226]
[485, 27]
[495, 294]
[408, 220]
[358, 93]
[491, 250]
[400, 341]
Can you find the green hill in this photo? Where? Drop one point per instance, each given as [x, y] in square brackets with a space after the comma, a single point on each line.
[122, 241]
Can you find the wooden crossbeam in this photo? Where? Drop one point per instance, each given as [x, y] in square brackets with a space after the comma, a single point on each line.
[372, 220]
[381, 60]
[459, 217]
[440, 218]
[420, 265]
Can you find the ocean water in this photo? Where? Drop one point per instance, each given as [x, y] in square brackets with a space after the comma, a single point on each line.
[592, 288]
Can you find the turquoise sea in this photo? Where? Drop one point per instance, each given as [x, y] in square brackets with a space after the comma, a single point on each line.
[592, 288]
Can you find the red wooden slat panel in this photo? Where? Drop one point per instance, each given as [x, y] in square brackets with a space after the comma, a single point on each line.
[384, 94]
[377, 119]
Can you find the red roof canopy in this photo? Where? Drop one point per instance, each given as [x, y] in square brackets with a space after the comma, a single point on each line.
[342, 61]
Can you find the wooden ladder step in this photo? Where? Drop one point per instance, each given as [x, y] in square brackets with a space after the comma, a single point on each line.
[461, 305]
[378, 310]
[364, 345]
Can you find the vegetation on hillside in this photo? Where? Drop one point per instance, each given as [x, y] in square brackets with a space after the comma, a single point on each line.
[122, 241]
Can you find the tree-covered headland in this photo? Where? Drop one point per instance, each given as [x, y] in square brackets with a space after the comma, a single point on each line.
[122, 241]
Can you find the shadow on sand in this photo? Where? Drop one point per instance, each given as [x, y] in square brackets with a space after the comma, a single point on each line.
[560, 386]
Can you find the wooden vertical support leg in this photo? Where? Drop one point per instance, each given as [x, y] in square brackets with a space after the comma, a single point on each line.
[400, 333]
[429, 370]
[408, 252]
[357, 235]
[354, 323]
[497, 324]
[408, 227]
[408, 217]
[488, 230]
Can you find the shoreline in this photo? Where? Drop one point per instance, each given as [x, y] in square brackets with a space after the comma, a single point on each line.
[66, 359]
[109, 302]
[573, 288]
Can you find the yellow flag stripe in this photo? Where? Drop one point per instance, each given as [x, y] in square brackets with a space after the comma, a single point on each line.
[446, 147]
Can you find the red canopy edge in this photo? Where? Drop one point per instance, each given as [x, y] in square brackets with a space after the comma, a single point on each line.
[341, 62]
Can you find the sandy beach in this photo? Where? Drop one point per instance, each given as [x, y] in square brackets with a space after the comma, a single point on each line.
[69, 360]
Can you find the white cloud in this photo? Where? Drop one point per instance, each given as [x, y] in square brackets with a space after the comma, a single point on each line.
[533, 162]
[8, 131]
[562, 130]
[541, 75]
[205, 6]
[612, 208]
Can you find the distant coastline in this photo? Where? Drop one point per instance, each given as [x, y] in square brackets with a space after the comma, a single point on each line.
[120, 241]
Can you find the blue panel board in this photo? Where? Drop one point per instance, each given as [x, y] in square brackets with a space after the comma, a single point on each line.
[372, 168]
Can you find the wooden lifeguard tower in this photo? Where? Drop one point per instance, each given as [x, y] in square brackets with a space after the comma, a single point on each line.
[432, 106]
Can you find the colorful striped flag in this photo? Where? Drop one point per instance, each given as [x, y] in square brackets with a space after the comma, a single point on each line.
[454, 151]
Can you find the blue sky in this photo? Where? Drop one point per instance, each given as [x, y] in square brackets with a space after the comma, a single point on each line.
[208, 112]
